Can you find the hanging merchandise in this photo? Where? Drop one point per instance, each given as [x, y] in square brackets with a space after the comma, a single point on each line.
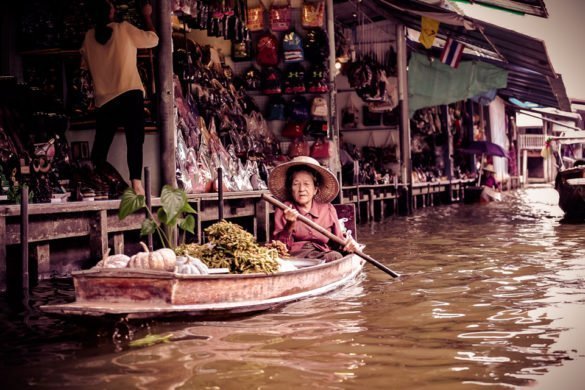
[320, 149]
[316, 46]
[255, 17]
[276, 109]
[319, 108]
[294, 79]
[317, 128]
[318, 80]
[350, 114]
[299, 147]
[293, 129]
[242, 49]
[313, 14]
[280, 15]
[271, 81]
[292, 47]
[252, 79]
[267, 50]
[299, 109]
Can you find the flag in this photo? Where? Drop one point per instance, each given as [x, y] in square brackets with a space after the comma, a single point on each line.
[428, 31]
[452, 52]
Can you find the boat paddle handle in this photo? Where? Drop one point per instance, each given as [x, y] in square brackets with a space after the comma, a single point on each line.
[275, 202]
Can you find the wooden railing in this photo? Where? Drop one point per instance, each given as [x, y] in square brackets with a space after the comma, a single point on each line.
[531, 141]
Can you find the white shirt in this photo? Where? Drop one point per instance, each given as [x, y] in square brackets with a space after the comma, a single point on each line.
[113, 65]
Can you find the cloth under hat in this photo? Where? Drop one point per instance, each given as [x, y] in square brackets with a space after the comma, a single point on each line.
[328, 187]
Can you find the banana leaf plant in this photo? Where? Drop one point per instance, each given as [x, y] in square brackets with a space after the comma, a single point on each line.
[175, 212]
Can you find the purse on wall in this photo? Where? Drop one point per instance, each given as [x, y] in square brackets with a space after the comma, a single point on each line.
[320, 149]
[280, 15]
[299, 147]
[312, 14]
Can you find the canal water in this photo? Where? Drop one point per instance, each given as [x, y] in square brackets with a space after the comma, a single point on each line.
[491, 296]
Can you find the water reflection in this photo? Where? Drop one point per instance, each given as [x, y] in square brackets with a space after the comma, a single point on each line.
[491, 295]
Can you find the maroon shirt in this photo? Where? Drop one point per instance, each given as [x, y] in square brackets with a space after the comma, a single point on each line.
[322, 214]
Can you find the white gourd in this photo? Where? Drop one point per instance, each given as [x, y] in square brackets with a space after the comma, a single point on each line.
[161, 260]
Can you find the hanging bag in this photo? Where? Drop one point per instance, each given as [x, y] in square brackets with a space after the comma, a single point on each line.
[319, 108]
[312, 14]
[255, 17]
[293, 129]
[280, 15]
[320, 149]
[298, 147]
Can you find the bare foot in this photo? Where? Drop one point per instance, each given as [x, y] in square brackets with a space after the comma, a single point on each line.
[137, 187]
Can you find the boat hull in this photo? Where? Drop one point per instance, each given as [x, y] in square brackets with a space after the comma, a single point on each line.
[570, 184]
[148, 294]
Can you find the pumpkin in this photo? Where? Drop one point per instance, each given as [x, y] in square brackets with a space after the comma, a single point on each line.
[114, 261]
[161, 259]
[190, 266]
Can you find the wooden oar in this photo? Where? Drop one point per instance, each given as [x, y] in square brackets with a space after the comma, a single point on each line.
[330, 235]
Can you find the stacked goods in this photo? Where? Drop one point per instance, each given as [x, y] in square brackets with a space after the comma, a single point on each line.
[230, 246]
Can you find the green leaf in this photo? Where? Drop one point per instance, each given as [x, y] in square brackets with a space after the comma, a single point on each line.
[150, 340]
[188, 224]
[172, 201]
[162, 216]
[188, 209]
[148, 227]
[130, 203]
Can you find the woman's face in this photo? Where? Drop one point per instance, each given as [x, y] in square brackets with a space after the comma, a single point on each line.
[303, 188]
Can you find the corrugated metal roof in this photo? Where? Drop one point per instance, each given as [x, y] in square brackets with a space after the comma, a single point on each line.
[531, 74]
[530, 7]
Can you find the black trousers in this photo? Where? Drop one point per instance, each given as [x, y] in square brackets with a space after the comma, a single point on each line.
[126, 110]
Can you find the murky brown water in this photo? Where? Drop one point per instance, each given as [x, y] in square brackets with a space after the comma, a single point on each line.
[492, 295]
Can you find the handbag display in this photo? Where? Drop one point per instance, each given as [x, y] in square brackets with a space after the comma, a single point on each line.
[299, 147]
[312, 14]
[256, 17]
[293, 129]
[319, 107]
[280, 15]
[320, 149]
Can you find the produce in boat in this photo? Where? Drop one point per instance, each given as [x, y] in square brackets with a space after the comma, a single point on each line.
[162, 259]
[230, 246]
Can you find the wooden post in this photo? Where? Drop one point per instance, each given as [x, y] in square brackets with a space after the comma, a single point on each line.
[148, 203]
[166, 96]
[42, 254]
[219, 193]
[405, 157]
[98, 238]
[24, 237]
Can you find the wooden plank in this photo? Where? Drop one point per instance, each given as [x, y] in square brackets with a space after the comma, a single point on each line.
[48, 228]
[42, 254]
[98, 238]
[118, 243]
[262, 222]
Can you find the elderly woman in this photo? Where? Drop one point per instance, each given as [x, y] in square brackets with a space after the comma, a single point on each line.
[307, 188]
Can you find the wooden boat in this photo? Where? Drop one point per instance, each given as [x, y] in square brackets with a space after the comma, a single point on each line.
[570, 180]
[570, 184]
[139, 294]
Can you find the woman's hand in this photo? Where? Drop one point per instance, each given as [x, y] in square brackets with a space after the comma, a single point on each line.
[352, 245]
[290, 215]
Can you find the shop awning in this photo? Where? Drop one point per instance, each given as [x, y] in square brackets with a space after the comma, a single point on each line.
[531, 76]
